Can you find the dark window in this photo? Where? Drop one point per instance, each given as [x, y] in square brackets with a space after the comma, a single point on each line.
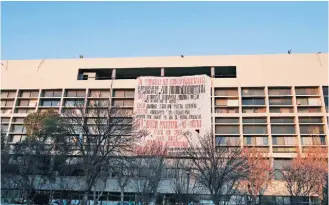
[50, 103]
[283, 129]
[254, 120]
[255, 129]
[282, 120]
[177, 72]
[311, 129]
[310, 120]
[227, 129]
[253, 101]
[133, 73]
[225, 72]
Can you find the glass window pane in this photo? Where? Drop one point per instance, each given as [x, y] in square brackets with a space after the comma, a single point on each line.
[48, 93]
[71, 93]
[283, 129]
[282, 120]
[57, 93]
[34, 93]
[227, 120]
[81, 93]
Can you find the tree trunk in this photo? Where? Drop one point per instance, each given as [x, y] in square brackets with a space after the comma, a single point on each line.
[122, 189]
[85, 198]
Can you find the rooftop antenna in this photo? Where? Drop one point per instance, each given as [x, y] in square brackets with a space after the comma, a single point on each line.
[289, 51]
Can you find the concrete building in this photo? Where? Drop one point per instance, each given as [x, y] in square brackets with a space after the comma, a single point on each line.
[274, 102]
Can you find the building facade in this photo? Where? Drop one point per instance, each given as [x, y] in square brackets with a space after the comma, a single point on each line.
[278, 103]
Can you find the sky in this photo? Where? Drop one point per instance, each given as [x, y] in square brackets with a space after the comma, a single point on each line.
[48, 30]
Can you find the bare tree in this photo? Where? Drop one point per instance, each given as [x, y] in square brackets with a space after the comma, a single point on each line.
[307, 174]
[259, 174]
[218, 168]
[150, 165]
[182, 183]
[122, 167]
[99, 132]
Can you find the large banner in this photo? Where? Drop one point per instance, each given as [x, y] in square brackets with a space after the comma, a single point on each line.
[168, 107]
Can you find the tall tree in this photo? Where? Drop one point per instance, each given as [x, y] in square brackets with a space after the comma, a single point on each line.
[218, 168]
[29, 166]
[98, 133]
[307, 174]
[150, 165]
[259, 174]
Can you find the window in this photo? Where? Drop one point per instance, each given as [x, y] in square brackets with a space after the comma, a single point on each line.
[254, 120]
[50, 103]
[18, 128]
[280, 101]
[73, 103]
[29, 93]
[5, 120]
[27, 103]
[279, 91]
[253, 140]
[225, 72]
[227, 140]
[98, 103]
[226, 91]
[227, 102]
[282, 140]
[283, 129]
[253, 92]
[282, 120]
[284, 150]
[4, 129]
[280, 164]
[325, 95]
[226, 110]
[227, 129]
[226, 120]
[311, 129]
[133, 73]
[6, 111]
[24, 110]
[314, 140]
[309, 110]
[16, 138]
[254, 129]
[99, 94]
[307, 91]
[18, 119]
[309, 101]
[8, 94]
[75, 93]
[123, 102]
[281, 110]
[310, 120]
[124, 93]
[7, 103]
[52, 93]
[254, 110]
[253, 101]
